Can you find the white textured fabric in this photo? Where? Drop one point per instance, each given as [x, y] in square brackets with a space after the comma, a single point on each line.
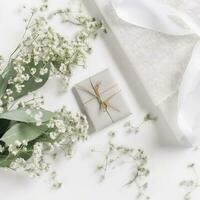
[192, 10]
[158, 59]
[189, 98]
[160, 17]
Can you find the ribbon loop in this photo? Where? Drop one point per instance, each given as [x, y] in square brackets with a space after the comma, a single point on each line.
[104, 104]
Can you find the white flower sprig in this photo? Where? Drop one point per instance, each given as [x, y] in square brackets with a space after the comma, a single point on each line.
[65, 129]
[136, 158]
[131, 128]
[191, 184]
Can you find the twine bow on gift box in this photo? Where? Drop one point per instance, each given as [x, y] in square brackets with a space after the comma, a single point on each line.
[103, 104]
[101, 100]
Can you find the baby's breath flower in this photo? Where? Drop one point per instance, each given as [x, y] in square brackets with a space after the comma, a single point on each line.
[35, 102]
[17, 143]
[60, 126]
[38, 80]
[50, 146]
[33, 71]
[53, 135]
[67, 129]
[24, 142]
[12, 149]
[10, 99]
[17, 164]
[43, 71]
[1, 102]
[9, 92]
[2, 148]
[19, 87]
[38, 117]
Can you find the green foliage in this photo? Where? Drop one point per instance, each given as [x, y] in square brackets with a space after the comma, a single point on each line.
[2, 87]
[23, 115]
[4, 78]
[4, 125]
[7, 159]
[20, 132]
[30, 131]
[31, 85]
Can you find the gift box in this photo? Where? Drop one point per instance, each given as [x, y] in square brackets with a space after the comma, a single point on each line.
[102, 100]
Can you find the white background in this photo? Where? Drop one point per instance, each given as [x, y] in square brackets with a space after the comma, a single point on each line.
[167, 162]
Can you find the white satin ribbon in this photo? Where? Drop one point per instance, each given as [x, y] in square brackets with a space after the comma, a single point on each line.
[151, 15]
[162, 18]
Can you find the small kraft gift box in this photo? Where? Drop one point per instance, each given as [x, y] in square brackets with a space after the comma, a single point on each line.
[101, 99]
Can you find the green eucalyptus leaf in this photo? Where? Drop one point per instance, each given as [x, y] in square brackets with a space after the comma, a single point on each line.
[5, 160]
[26, 154]
[4, 77]
[22, 131]
[31, 84]
[4, 125]
[8, 71]
[1, 79]
[3, 85]
[26, 115]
